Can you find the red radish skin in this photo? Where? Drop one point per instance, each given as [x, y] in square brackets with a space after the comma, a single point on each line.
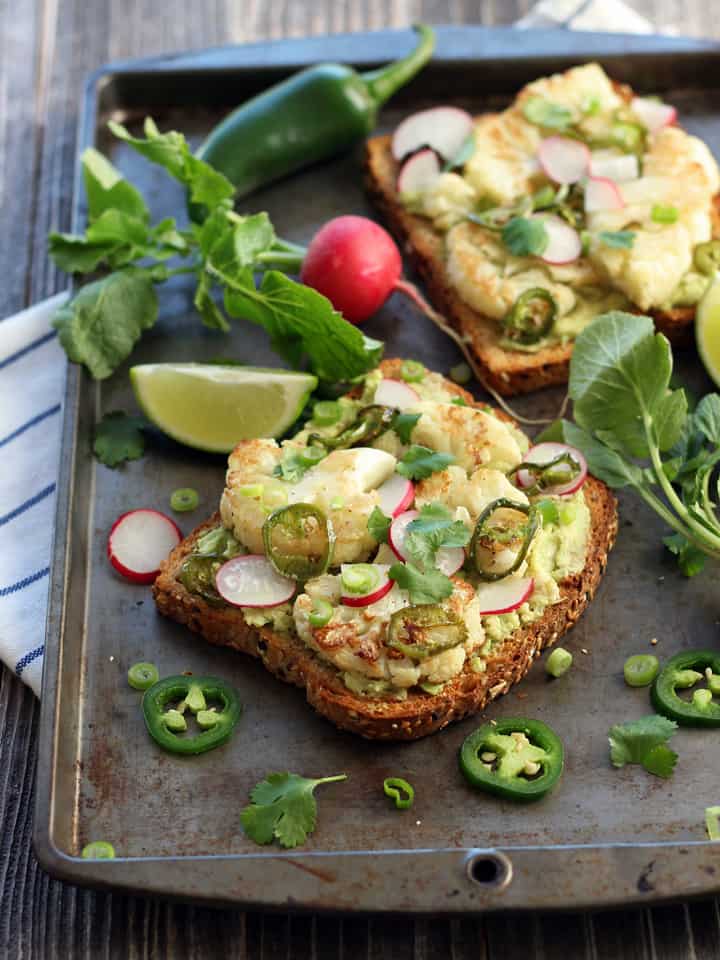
[396, 495]
[564, 160]
[252, 581]
[139, 541]
[545, 453]
[418, 172]
[443, 129]
[355, 264]
[504, 596]
[652, 114]
[602, 193]
[395, 393]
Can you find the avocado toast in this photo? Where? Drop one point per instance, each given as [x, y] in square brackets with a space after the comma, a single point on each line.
[641, 239]
[352, 666]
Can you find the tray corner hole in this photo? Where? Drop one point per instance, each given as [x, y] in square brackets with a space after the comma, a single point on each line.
[490, 870]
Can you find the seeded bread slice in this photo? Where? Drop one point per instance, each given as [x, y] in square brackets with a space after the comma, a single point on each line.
[379, 719]
[506, 371]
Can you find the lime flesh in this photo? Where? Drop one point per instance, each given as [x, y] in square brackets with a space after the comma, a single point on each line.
[707, 330]
[212, 407]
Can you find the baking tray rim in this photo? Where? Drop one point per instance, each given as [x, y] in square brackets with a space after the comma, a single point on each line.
[599, 875]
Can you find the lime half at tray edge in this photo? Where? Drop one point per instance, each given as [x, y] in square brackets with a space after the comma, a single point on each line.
[707, 330]
[212, 407]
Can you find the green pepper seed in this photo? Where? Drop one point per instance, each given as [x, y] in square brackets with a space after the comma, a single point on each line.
[98, 850]
[321, 613]
[559, 662]
[461, 373]
[412, 371]
[326, 412]
[141, 676]
[641, 669]
[184, 500]
[400, 791]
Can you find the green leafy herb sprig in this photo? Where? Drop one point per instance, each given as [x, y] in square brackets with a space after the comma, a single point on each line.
[283, 808]
[107, 316]
[432, 529]
[637, 432]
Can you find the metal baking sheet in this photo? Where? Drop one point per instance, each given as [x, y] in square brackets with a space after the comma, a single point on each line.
[604, 836]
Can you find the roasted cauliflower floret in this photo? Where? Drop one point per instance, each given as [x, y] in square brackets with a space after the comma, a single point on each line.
[474, 437]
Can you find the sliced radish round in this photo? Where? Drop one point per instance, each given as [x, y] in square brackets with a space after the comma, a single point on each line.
[564, 243]
[139, 541]
[396, 495]
[252, 581]
[601, 193]
[443, 129]
[545, 453]
[418, 172]
[448, 559]
[395, 393]
[381, 586]
[615, 167]
[505, 595]
[564, 160]
[652, 113]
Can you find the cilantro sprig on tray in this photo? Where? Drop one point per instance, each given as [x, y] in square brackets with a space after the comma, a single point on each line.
[101, 325]
[283, 808]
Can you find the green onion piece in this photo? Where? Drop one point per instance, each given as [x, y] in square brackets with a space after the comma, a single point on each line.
[184, 500]
[326, 412]
[543, 198]
[98, 850]
[141, 676]
[321, 613]
[274, 497]
[559, 662]
[712, 822]
[641, 670]
[400, 791]
[412, 371]
[459, 401]
[253, 491]
[310, 456]
[432, 688]
[461, 373]
[664, 214]
[567, 513]
[591, 106]
[337, 503]
[627, 136]
[360, 578]
[548, 511]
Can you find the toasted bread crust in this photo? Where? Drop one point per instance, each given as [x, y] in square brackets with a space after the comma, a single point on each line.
[509, 372]
[289, 659]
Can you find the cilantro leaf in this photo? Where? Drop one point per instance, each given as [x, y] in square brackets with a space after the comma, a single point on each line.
[171, 151]
[430, 586]
[432, 529]
[524, 237]
[103, 322]
[617, 239]
[419, 462]
[119, 437]
[283, 807]
[643, 741]
[378, 525]
[545, 113]
[302, 321]
[691, 560]
[403, 424]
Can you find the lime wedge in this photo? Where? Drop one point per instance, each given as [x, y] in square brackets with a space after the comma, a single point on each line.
[707, 330]
[212, 407]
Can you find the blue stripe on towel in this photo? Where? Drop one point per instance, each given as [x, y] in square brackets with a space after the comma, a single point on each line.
[25, 350]
[28, 503]
[21, 584]
[28, 659]
[51, 411]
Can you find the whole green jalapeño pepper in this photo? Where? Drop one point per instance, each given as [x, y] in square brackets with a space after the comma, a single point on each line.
[201, 696]
[312, 115]
[514, 758]
[683, 672]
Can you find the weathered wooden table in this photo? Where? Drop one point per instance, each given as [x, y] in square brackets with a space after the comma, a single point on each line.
[46, 47]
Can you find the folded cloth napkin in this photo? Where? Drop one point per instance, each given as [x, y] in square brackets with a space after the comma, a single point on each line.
[32, 374]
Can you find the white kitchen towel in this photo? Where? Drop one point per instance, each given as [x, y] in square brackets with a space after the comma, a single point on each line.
[32, 374]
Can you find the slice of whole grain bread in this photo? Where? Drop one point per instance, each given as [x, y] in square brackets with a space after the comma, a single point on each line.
[289, 659]
[506, 371]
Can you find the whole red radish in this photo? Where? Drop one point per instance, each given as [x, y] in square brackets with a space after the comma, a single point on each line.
[355, 264]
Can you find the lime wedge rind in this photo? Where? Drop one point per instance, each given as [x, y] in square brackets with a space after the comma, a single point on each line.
[212, 407]
[707, 330]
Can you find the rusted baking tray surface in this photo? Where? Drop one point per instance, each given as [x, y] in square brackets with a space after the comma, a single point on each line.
[605, 836]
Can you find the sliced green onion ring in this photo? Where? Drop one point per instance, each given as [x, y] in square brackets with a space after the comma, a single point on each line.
[184, 500]
[141, 676]
[412, 371]
[641, 669]
[321, 613]
[326, 412]
[360, 578]
[98, 850]
[400, 791]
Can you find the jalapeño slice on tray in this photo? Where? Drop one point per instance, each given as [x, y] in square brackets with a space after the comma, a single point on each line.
[514, 758]
[686, 671]
[502, 537]
[298, 541]
[214, 704]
